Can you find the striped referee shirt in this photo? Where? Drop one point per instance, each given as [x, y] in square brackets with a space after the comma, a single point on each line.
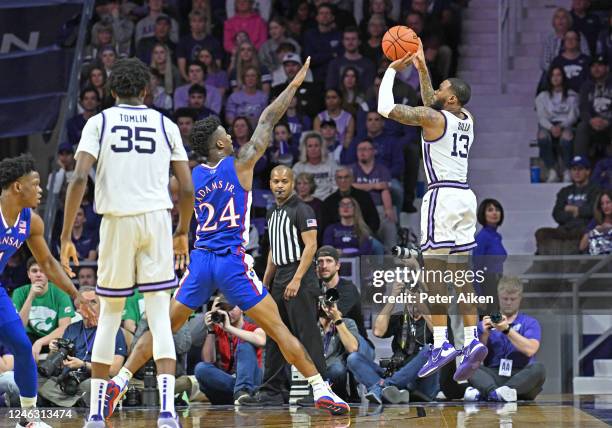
[285, 226]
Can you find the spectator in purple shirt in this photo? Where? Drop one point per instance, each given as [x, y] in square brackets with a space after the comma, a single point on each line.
[322, 43]
[249, 101]
[375, 178]
[350, 58]
[197, 102]
[351, 235]
[89, 100]
[510, 371]
[197, 75]
[215, 75]
[190, 45]
[574, 64]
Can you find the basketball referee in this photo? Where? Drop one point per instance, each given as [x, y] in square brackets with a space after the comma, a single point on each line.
[292, 282]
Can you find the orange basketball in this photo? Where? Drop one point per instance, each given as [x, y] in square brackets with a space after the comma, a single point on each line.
[398, 41]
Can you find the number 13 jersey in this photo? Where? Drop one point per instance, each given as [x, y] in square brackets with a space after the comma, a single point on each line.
[134, 146]
[446, 159]
[222, 208]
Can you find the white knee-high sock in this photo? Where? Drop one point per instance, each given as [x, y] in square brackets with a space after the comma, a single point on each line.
[96, 401]
[165, 384]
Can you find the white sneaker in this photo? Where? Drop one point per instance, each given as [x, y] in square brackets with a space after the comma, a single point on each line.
[552, 176]
[471, 394]
[567, 178]
[505, 393]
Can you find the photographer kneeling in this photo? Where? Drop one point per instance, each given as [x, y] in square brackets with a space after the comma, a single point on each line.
[396, 379]
[66, 373]
[231, 367]
[513, 338]
[340, 339]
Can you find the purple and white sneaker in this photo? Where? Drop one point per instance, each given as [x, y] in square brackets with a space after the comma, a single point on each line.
[473, 355]
[438, 358]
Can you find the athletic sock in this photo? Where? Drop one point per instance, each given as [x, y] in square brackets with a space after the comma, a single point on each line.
[27, 402]
[165, 384]
[439, 334]
[98, 394]
[469, 334]
[319, 387]
[123, 377]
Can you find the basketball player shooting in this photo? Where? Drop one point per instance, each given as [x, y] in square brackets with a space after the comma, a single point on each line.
[222, 205]
[448, 213]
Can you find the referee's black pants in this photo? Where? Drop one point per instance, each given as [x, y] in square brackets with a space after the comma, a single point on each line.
[300, 315]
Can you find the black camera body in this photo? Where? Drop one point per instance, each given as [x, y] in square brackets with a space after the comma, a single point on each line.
[53, 364]
[216, 317]
[330, 297]
[70, 380]
[496, 317]
[391, 365]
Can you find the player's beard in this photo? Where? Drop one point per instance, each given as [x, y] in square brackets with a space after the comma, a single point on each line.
[438, 104]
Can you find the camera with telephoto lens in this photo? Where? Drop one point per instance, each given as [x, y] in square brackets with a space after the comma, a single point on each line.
[496, 317]
[150, 396]
[70, 380]
[391, 365]
[330, 297]
[53, 363]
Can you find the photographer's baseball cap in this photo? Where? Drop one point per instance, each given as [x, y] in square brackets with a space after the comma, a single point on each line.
[580, 161]
[328, 251]
[292, 57]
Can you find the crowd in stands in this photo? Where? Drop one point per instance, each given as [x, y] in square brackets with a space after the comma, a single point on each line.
[356, 169]
[574, 111]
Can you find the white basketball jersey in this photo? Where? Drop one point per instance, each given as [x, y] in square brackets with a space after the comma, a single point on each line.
[446, 159]
[133, 146]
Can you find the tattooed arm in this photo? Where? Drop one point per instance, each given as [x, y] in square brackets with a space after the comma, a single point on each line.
[425, 117]
[251, 152]
[427, 90]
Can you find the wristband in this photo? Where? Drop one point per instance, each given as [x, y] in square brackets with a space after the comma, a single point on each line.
[338, 322]
[506, 331]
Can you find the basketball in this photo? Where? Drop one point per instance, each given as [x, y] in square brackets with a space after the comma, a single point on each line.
[398, 41]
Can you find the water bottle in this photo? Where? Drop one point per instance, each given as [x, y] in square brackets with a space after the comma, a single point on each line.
[535, 170]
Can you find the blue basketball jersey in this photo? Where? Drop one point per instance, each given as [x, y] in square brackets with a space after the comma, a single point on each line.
[222, 208]
[13, 236]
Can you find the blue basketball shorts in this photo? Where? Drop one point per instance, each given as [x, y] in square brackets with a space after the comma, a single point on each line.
[232, 274]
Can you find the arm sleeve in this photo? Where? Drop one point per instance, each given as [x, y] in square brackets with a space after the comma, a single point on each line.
[306, 218]
[174, 138]
[91, 136]
[386, 102]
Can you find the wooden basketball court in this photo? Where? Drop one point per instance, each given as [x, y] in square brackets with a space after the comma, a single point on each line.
[547, 411]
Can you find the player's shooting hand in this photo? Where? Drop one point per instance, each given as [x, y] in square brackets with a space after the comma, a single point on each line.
[301, 75]
[419, 58]
[68, 253]
[292, 289]
[405, 61]
[180, 243]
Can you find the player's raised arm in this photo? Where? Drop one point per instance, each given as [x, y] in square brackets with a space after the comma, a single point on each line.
[427, 90]
[254, 149]
[425, 117]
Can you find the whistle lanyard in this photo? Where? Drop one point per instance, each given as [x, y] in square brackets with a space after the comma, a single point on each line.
[87, 345]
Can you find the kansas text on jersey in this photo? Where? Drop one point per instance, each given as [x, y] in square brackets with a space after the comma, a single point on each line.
[13, 236]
